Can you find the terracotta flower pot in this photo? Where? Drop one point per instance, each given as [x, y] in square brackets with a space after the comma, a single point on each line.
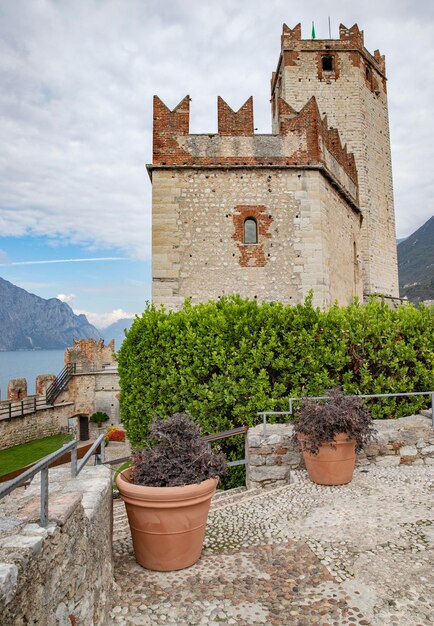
[167, 523]
[332, 465]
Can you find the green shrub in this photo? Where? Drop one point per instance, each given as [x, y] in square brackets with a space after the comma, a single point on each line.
[224, 361]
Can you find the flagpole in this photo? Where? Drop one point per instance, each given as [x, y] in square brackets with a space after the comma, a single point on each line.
[330, 30]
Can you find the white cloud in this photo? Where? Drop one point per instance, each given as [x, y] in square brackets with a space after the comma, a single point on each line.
[102, 320]
[68, 298]
[76, 100]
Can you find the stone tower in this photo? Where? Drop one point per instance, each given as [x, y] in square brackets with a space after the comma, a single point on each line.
[349, 85]
[275, 216]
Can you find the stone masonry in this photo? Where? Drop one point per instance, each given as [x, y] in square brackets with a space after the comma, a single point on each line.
[61, 575]
[316, 227]
[349, 85]
[271, 455]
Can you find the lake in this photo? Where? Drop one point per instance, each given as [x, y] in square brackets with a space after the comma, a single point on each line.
[28, 364]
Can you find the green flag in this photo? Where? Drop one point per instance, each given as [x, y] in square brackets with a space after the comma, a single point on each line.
[313, 31]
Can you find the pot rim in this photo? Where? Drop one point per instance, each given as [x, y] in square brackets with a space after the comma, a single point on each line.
[182, 492]
[338, 438]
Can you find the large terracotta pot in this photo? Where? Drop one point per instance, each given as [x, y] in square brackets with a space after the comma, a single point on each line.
[167, 523]
[332, 465]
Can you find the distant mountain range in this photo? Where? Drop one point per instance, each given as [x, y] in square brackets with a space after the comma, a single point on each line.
[116, 331]
[29, 322]
[416, 264]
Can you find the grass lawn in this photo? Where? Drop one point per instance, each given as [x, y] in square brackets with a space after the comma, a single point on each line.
[26, 453]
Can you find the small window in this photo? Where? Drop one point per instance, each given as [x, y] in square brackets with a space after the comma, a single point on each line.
[368, 73]
[250, 230]
[327, 64]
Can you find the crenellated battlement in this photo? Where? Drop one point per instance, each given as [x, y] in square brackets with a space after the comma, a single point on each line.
[351, 41]
[235, 123]
[303, 138]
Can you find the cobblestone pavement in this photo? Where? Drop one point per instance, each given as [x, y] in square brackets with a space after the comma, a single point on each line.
[297, 555]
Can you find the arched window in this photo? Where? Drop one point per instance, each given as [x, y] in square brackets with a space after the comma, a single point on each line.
[250, 230]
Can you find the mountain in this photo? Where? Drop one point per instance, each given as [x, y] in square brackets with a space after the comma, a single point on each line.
[116, 331]
[416, 264]
[29, 322]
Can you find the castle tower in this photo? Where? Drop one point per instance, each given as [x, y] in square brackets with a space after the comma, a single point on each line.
[349, 85]
[265, 216]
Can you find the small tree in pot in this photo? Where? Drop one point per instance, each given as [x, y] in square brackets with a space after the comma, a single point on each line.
[330, 433]
[168, 492]
[99, 418]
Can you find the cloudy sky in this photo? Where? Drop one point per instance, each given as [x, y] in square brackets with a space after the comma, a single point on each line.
[77, 80]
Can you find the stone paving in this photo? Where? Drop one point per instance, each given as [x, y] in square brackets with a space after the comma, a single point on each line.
[302, 554]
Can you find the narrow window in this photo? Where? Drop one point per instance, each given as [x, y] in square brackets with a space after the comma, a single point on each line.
[250, 230]
[368, 73]
[327, 64]
[355, 266]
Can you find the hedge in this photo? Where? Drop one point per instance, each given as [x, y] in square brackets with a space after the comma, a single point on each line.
[224, 361]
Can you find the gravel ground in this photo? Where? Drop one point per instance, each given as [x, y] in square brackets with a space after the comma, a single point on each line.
[303, 554]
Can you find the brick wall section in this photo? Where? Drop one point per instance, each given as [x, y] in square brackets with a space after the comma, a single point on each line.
[272, 455]
[304, 136]
[235, 123]
[251, 255]
[168, 125]
[356, 105]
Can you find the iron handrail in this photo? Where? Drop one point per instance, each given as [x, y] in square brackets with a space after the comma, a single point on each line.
[19, 408]
[59, 383]
[43, 465]
[361, 395]
[241, 430]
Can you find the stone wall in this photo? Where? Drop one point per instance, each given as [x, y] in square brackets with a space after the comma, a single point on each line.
[272, 454]
[61, 575]
[42, 423]
[90, 352]
[198, 250]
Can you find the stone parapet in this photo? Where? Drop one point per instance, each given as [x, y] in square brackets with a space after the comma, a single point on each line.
[45, 422]
[61, 574]
[271, 453]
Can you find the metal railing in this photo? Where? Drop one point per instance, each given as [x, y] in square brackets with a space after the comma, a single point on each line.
[19, 408]
[60, 383]
[241, 430]
[264, 414]
[43, 465]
